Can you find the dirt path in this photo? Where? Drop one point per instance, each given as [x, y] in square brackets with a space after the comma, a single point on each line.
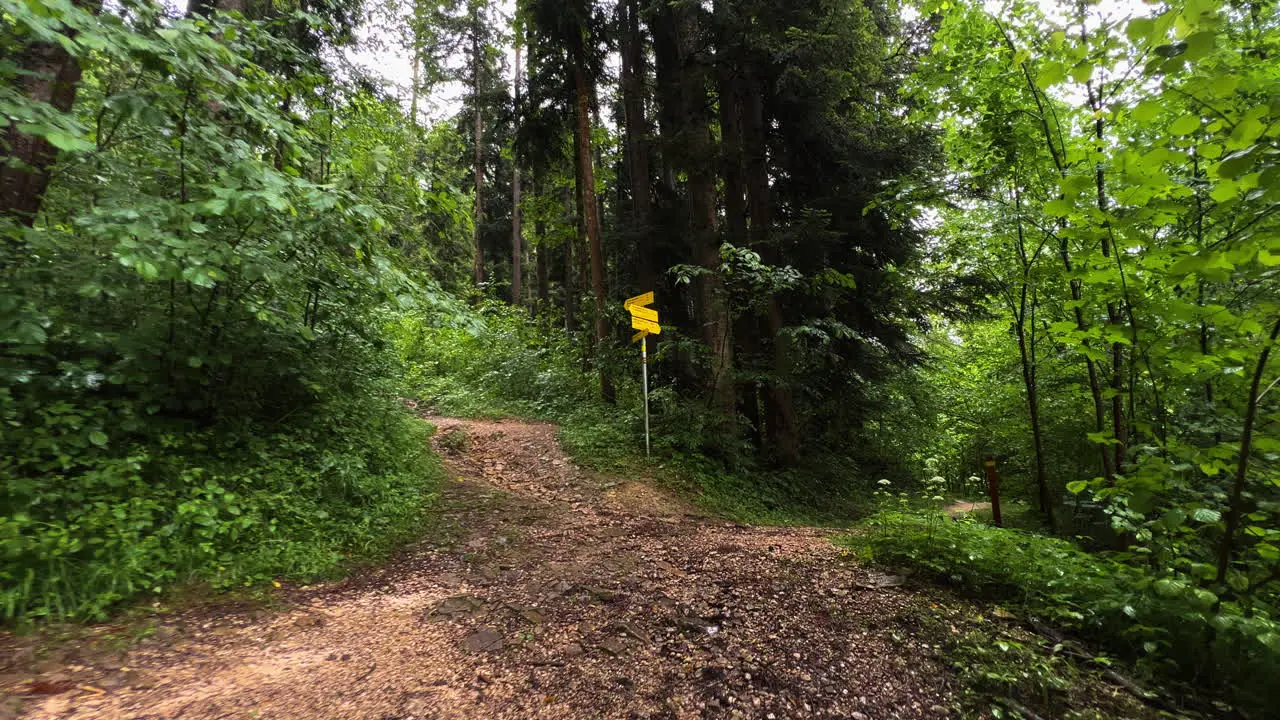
[965, 507]
[553, 594]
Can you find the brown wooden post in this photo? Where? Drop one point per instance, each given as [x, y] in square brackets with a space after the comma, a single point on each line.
[993, 488]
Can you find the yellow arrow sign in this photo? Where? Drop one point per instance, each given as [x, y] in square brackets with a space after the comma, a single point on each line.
[639, 336]
[641, 300]
[648, 326]
[644, 313]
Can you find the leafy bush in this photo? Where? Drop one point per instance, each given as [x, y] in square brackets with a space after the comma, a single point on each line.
[491, 362]
[220, 506]
[1163, 621]
[192, 384]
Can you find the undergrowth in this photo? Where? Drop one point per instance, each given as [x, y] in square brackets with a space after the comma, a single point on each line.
[1169, 629]
[1005, 671]
[226, 507]
[300, 463]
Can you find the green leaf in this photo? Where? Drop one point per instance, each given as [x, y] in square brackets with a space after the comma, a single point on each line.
[1173, 519]
[1077, 486]
[1188, 265]
[1139, 30]
[1146, 111]
[1051, 73]
[1271, 640]
[99, 438]
[1200, 44]
[1203, 599]
[68, 142]
[1225, 191]
[1185, 125]
[214, 206]
[1168, 587]
[26, 333]
[1225, 85]
[1058, 208]
[1266, 257]
[1247, 131]
[1204, 571]
[1205, 515]
[1235, 165]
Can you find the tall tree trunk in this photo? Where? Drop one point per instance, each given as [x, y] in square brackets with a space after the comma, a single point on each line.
[782, 430]
[582, 265]
[666, 60]
[1024, 318]
[517, 252]
[1235, 510]
[746, 327]
[1057, 154]
[1205, 341]
[569, 285]
[781, 426]
[746, 332]
[49, 75]
[590, 204]
[699, 166]
[1095, 382]
[1028, 349]
[477, 67]
[544, 283]
[637, 141]
[1119, 427]
[413, 96]
[735, 200]
[729, 82]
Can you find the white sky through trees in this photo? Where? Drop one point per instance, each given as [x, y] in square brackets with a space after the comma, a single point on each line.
[383, 52]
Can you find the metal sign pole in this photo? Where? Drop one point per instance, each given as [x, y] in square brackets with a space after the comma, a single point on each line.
[644, 369]
[645, 320]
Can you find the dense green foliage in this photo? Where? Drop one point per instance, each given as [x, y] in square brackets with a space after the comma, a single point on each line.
[215, 506]
[192, 380]
[1112, 194]
[1172, 629]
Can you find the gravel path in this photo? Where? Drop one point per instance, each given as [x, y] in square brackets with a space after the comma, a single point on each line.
[545, 592]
